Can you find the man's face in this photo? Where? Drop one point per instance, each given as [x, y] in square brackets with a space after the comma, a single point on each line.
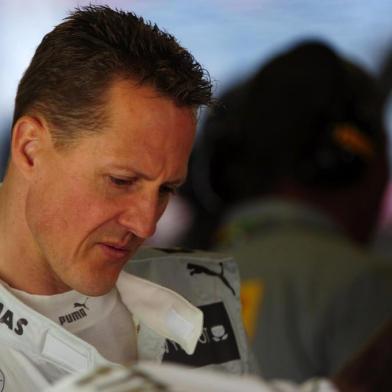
[89, 208]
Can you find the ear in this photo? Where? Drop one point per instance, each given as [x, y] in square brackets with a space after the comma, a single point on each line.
[29, 139]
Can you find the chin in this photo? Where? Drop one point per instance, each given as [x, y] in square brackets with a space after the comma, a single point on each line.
[95, 290]
[93, 278]
[97, 285]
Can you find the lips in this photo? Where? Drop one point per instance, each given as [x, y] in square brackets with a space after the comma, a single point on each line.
[115, 251]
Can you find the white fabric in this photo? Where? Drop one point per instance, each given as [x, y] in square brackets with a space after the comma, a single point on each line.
[96, 320]
[57, 307]
[114, 336]
[149, 377]
[169, 314]
[35, 351]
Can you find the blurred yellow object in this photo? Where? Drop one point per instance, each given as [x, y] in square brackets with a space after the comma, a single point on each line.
[251, 297]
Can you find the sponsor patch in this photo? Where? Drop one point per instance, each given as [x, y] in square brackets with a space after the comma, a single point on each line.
[216, 344]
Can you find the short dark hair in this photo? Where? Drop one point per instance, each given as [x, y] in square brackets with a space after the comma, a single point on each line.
[77, 61]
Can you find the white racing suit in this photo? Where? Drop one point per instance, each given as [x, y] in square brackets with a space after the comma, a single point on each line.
[35, 351]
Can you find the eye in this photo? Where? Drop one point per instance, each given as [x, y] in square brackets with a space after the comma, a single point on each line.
[121, 182]
[168, 190]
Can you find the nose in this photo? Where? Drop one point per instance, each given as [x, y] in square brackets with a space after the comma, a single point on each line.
[141, 214]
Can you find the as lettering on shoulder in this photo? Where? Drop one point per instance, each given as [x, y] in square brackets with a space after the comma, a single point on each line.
[7, 318]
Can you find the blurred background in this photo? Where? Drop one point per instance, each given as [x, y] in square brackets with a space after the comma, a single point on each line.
[230, 38]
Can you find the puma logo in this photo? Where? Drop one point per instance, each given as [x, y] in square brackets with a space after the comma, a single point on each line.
[83, 305]
[77, 314]
[199, 269]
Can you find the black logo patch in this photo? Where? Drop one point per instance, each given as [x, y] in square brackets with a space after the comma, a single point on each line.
[216, 344]
[199, 269]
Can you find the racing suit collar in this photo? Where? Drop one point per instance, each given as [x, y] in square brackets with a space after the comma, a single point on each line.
[162, 310]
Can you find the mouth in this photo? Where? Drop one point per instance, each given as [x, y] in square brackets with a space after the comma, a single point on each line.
[114, 251]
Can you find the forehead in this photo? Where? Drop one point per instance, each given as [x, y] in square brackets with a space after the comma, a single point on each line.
[130, 103]
[143, 114]
[142, 129]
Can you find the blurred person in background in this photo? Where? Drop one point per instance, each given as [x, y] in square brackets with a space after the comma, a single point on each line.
[293, 165]
[104, 122]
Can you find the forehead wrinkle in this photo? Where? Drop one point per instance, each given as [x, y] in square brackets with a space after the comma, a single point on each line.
[151, 166]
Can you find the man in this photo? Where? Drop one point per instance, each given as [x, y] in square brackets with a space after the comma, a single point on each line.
[103, 126]
[297, 165]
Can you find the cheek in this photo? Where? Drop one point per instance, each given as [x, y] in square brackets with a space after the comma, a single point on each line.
[62, 213]
[47, 214]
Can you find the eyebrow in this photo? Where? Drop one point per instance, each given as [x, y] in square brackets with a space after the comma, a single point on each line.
[177, 182]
